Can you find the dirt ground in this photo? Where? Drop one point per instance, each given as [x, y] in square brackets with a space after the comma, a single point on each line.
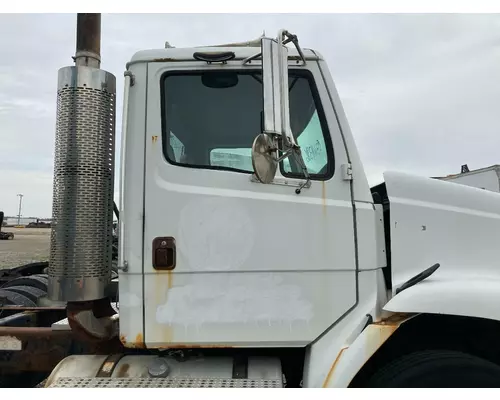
[28, 245]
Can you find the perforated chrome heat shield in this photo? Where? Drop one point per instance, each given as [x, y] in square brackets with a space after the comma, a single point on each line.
[80, 247]
[165, 383]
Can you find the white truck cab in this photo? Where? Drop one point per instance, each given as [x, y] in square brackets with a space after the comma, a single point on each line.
[249, 234]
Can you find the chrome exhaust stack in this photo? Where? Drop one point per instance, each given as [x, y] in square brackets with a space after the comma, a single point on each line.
[83, 188]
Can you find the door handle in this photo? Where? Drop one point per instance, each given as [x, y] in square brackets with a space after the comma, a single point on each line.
[164, 253]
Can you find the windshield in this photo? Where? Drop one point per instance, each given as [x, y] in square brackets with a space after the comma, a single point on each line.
[211, 118]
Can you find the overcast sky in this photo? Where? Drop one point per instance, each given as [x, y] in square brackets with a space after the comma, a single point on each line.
[421, 92]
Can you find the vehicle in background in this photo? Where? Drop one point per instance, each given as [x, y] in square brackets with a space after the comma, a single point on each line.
[487, 178]
[4, 235]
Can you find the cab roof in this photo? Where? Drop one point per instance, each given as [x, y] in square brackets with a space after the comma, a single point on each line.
[241, 51]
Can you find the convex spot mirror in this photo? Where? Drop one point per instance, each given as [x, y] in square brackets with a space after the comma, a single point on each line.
[264, 159]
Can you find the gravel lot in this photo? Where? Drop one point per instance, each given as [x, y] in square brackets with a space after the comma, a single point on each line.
[28, 245]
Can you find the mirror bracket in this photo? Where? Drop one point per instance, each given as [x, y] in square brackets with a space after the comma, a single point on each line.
[285, 37]
[284, 182]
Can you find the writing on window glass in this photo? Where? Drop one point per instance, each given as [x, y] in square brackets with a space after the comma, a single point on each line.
[313, 147]
[312, 152]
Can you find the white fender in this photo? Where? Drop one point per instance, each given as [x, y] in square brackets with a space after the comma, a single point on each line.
[457, 226]
[440, 293]
[470, 297]
[460, 296]
[353, 357]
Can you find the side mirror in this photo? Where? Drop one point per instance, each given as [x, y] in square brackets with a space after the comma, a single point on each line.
[276, 114]
[276, 109]
[275, 86]
[276, 142]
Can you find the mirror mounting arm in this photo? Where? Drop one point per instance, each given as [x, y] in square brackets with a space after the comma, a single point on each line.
[300, 160]
[285, 155]
[285, 37]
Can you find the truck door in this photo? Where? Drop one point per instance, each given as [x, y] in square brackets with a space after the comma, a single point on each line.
[229, 261]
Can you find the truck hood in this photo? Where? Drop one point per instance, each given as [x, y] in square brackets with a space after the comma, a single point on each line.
[432, 221]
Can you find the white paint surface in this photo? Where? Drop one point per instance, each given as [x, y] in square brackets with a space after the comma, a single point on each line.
[472, 296]
[130, 300]
[131, 221]
[215, 234]
[440, 222]
[326, 352]
[256, 264]
[246, 308]
[249, 299]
